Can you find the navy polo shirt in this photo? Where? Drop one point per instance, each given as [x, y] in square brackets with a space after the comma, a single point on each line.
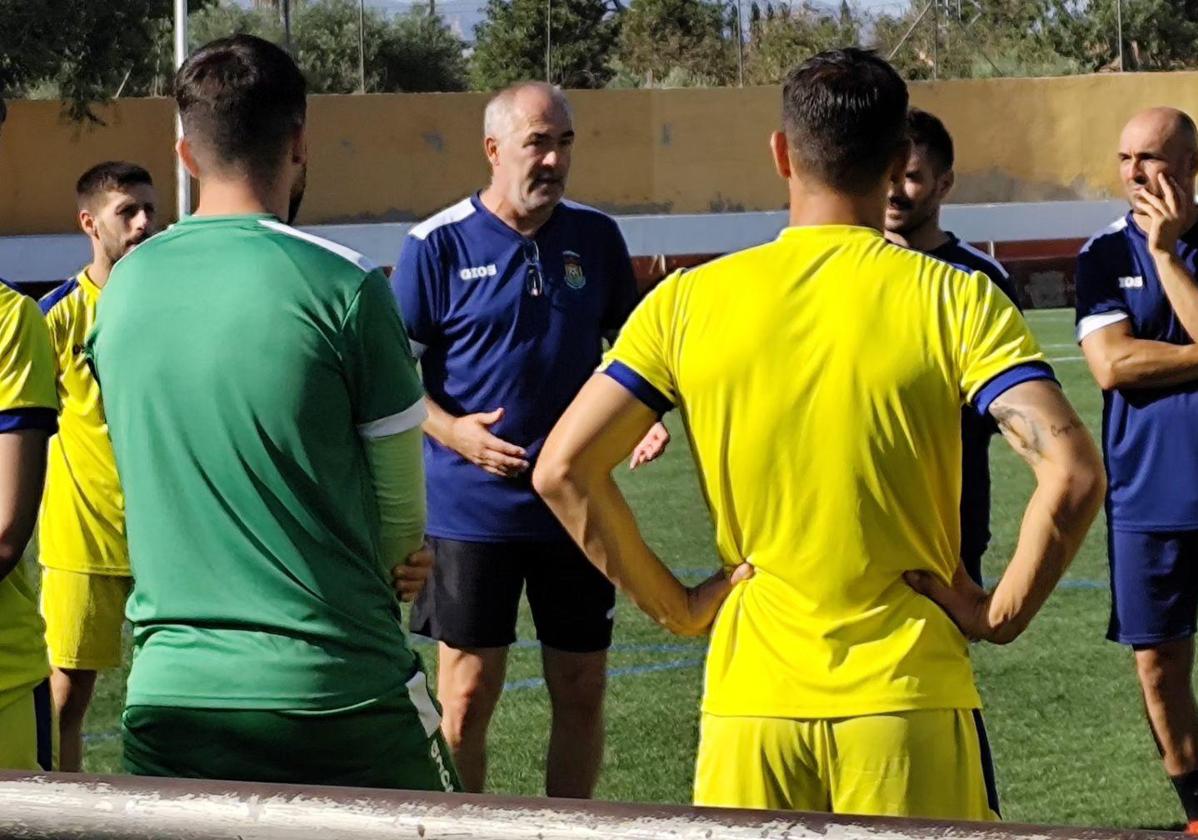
[976, 430]
[1149, 435]
[489, 335]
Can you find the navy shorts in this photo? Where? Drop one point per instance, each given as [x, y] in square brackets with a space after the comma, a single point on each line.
[1154, 586]
[473, 595]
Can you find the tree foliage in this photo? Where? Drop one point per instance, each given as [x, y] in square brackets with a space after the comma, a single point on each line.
[510, 44]
[690, 41]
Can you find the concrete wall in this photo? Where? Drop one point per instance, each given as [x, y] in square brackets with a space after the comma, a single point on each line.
[401, 157]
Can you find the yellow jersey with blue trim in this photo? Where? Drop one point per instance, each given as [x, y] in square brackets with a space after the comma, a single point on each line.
[821, 378]
[82, 525]
[27, 401]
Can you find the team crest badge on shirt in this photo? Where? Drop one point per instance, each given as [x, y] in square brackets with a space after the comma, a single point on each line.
[575, 279]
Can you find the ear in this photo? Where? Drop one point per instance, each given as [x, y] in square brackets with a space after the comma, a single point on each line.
[87, 222]
[187, 157]
[780, 152]
[491, 150]
[947, 181]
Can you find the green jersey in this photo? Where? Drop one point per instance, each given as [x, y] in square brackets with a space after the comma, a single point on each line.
[242, 364]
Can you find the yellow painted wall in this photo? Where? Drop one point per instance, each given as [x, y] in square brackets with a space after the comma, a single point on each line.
[402, 157]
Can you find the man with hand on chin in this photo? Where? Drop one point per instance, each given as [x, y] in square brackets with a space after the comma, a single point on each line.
[1137, 316]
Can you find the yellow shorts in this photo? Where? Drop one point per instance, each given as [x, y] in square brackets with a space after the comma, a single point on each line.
[84, 616]
[933, 764]
[26, 723]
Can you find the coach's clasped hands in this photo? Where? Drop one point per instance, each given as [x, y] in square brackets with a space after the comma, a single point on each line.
[966, 603]
[470, 437]
[703, 601]
[409, 577]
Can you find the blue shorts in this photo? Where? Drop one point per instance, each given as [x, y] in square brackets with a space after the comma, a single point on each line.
[1154, 586]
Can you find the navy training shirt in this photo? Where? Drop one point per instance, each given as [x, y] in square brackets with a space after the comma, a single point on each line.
[1149, 435]
[976, 430]
[465, 284]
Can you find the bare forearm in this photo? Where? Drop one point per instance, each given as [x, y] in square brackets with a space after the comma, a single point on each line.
[1139, 363]
[23, 455]
[1056, 521]
[1180, 289]
[598, 518]
[438, 422]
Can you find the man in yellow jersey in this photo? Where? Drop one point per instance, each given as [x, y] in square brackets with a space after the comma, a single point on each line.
[28, 416]
[821, 378]
[81, 537]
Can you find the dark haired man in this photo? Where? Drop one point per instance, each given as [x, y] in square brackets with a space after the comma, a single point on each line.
[81, 531]
[827, 436]
[265, 413]
[913, 220]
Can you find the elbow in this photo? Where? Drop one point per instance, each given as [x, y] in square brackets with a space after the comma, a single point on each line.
[552, 477]
[1107, 374]
[1086, 485]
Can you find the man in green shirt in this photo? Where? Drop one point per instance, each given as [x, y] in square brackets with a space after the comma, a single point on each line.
[265, 414]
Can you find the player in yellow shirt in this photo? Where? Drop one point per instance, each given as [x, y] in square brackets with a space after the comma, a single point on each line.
[28, 415]
[81, 537]
[821, 378]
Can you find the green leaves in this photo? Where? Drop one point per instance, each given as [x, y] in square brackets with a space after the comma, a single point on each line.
[511, 43]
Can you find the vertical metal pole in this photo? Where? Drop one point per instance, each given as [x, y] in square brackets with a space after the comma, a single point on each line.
[548, 39]
[740, 47]
[285, 7]
[935, 40]
[361, 46]
[182, 178]
[1119, 30]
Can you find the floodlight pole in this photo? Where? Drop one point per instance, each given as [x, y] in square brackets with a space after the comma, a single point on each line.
[182, 178]
[548, 38]
[1119, 30]
[361, 46]
[740, 46]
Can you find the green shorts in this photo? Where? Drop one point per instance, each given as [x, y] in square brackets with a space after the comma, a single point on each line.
[392, 742]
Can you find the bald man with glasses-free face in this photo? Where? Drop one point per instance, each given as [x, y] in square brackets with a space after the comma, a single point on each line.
[507, 296]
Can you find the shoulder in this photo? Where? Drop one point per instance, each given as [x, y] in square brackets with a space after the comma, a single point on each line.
[318, 248]
[20, 315]
[1111, 238]
[591, 217]
[55, 298]
[452, 216]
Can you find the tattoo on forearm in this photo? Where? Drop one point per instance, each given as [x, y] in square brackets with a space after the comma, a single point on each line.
[1022, 431]
[1068, 429]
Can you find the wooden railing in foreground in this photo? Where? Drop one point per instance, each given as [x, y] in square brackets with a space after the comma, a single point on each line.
[131, 808]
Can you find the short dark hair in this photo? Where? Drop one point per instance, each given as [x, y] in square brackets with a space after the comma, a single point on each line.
[927, 132]
[109, 175]
[845, 115]
[241, 99]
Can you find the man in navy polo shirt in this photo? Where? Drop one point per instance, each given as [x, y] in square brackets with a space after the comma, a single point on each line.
[913, 221]
[507, 296]
[1137, 314]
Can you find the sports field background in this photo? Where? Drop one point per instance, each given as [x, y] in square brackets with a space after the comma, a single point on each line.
[1062, 704]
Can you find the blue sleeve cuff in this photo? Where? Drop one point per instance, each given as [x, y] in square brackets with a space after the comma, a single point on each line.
[639, 386]
[1009, 378]
[17, 419]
